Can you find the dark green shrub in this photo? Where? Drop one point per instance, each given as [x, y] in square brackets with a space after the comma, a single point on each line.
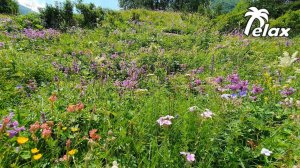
[9, 7]
[68, 13]
[276, 8]
[291, 19]
[59, 16]
[233, 20]
[135, 16]
[52, 16]
[92, 15]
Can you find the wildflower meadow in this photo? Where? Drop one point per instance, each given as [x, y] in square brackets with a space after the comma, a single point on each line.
[164, 89]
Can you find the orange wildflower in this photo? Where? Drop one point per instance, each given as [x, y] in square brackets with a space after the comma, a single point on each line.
[53, 98]
[77, 107]
[71, 108]
[34, 127]
[93, 135]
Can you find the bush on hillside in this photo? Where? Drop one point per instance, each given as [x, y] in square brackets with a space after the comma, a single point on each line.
[234, 19]
[52, 16]
[68, 13]
[9, 7]
[276, 8]
[31, 20]
[59, 16]
[92, 15]
[291, 19]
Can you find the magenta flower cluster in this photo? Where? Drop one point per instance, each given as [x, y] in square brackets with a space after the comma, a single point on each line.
[42, 34]
[236, 84]
[238, 87]
[133, 75]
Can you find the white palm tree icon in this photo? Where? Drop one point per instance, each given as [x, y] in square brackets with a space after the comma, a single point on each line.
[256, 14]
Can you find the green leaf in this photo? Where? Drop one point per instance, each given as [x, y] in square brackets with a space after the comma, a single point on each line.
[26, 155]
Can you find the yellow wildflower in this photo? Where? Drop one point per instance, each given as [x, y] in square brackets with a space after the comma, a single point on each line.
[72, 152]
[37, 156]
[74, 129]
[35, 150]
[22, 140]
[64, 128]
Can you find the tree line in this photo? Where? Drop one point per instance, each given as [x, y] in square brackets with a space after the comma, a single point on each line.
[276, 7]
[189, 5]
[9, 7]
[62, 16]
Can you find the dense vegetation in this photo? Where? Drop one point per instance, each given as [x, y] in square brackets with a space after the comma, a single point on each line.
[9, 7]
[142, 88]
[277, 7]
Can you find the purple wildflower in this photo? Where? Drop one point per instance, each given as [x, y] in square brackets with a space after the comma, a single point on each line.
[10, 126]
[32, 85]
[234, 96]
[129, 84]
[219, 79]
[114, 56]
[243, 85]
[198, 70]
[234, 87]
[197, 82]
[56, 79]
[19, 87]
[287, 43]
[243, 93]
[287, 91]
[256, 90]
[75, 67]
[43, 34]
[233, 78]
[12, 133]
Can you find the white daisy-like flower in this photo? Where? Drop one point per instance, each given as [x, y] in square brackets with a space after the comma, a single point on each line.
[266, 152]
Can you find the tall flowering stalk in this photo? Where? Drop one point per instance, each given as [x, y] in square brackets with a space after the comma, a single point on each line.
[52, 99]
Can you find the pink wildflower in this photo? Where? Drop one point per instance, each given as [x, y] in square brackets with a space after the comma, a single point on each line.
[189, 157]
[207, 114]
[165, 120]
[46, 133]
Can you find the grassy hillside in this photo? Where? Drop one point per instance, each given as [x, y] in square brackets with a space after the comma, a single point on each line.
[94, 98]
